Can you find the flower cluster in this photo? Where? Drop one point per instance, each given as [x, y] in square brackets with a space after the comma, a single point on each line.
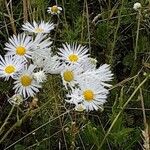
[29, 60]
[86, 83]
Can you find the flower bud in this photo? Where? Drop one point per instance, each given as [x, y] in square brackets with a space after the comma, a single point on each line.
[137, 6]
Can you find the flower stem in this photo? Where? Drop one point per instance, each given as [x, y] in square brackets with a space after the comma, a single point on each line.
[116, 118]
[137, 35]
[5, 122]
[29, 113]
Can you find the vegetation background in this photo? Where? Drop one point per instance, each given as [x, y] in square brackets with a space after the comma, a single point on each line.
[115, 34]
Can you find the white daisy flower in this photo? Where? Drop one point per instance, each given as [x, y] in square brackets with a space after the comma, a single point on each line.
[89, 64]
[69, 75]
[73, 96]
[39, 76]
[16, 99]
[39, 57]
[91, 94]
[137, 6]
[38, 60]
[19, 46]
[73, 53]
[41, 42]
[25, 84]
[42, 27]
[102, 74]
[41, 50]
[54, 10]
[52, 65]
[10, 66]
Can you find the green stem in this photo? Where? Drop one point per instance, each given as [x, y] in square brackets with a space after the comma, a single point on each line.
[43, 125]
[116, 118]
[137, 36]
[15, 125]
[115, 35]
[143, 107]
[88, 26]
[28, 114]
[5, 122]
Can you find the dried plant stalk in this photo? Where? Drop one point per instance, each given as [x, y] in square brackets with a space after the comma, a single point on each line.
[25, 10]
[145, 134]
[10, 15]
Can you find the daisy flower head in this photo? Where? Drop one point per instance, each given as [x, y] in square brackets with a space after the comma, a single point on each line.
[69, 75]
[25, 84]
[54, 10]
[73, 97]
[39, 76]
[19, 46]
[73, 53]
[91, 94]
[39, 57]
[102, 74]
[37, 60]
[89, 64]
[41, 42]
[41, 49]
[137, 6]
[10, 66]
[42, 27]
[53, 65]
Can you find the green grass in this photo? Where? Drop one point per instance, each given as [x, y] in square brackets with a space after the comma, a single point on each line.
[115, 34]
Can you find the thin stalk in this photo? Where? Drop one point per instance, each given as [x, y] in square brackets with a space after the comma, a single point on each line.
[43, 125]
[6, 120]
[28, 114]
[29, 9]
[15, 125]
[57, 110]
[82, 25]
[116, 118]
[137, 35]
[45, 139]
[143, 107]
[115, 35]
[65, 20]
[25, 11]
[10, 14]
[88, 26]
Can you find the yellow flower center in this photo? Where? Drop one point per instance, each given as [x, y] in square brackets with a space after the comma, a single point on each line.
[88, 95]
[10, 69]
[39, 30]
[73, 58]
[20, 50]
[68, 76]
[54, 9]
[26, 80]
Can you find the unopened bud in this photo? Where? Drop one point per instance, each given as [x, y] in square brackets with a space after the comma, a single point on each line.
[137, 6]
